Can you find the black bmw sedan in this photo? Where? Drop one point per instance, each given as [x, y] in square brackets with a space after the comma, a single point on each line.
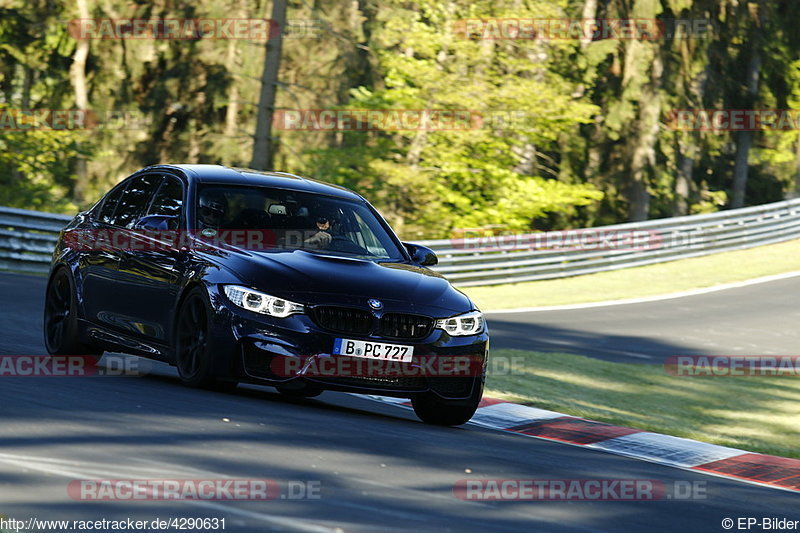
[236, 276]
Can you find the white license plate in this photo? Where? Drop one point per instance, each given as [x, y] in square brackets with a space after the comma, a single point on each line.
[373, 350]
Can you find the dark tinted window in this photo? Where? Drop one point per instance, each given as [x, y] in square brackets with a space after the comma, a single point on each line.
[168, 199]
[135, 200]
[106, 213]
[294, 220]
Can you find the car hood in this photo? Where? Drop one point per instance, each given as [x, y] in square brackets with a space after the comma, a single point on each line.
[314, 278]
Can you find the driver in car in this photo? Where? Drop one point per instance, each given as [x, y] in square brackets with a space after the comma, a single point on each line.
[212, 211]
[322, 238]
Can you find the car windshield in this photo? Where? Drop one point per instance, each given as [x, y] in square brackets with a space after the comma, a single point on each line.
[281, 220]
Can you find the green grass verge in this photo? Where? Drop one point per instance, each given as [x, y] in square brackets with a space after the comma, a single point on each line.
[675, 276]
[755, 414]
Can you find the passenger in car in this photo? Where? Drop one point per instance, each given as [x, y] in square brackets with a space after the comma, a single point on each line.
[322, 238]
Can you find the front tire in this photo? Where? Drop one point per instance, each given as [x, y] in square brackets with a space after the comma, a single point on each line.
[61, 330]
[432, 409]
[193, 355]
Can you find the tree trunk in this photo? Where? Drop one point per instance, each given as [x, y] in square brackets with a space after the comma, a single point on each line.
[683, 180]
[26, 87]
[643, 145]
[638, 196]
[77, 75]
[744, 139]
[231, 59]
[263, 152]
[589, 13]
[232, 110]
[795, 192]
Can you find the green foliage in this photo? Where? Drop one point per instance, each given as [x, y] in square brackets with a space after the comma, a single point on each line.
[432, 181]
[34, 168]
[565, 133]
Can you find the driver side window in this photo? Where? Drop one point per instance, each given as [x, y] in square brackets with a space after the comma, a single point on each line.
[168, 200]
[106, 214]
[133, 202]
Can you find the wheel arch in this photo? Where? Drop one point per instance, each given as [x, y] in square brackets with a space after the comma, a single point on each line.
[187, 288]
[73, 280]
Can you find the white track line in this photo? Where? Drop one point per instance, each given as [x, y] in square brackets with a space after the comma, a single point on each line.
[670, 296]
[78, 470]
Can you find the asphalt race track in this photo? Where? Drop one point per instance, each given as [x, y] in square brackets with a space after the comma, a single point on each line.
[758, 319]
[377, 467]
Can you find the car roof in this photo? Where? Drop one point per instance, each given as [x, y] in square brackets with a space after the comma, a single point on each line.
[218, 174]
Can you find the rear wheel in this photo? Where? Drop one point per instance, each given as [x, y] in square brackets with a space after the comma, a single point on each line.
[435, 410]
[61, 331]
[193, 354]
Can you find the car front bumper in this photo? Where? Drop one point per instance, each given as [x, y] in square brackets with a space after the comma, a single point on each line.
[294, 352]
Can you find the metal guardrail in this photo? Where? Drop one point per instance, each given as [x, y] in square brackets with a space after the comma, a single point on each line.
[550, 255]
[27, 239]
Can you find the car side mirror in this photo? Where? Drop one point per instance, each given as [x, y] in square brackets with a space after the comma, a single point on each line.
[422, 255]
[156, 223]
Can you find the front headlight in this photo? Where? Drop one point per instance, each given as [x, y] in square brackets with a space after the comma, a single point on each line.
[461, 325]
[258, 302]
